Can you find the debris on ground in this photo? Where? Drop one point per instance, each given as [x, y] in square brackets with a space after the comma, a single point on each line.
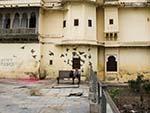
[75, 94]
[35, 92]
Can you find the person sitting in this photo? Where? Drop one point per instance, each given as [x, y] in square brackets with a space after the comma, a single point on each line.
[76, 74]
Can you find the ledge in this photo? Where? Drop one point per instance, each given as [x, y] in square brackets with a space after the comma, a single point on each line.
[77, 42]
[128, 44]
[81, 1]
[127, 4]
[108, 44]
[20, 3]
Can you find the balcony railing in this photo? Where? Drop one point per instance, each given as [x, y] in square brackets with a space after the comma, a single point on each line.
[28, 35]
[99, 97]
[23, 31]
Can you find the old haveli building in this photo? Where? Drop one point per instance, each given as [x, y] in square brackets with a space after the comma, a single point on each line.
[53, 35]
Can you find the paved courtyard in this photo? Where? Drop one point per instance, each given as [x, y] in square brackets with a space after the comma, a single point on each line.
[25, 96]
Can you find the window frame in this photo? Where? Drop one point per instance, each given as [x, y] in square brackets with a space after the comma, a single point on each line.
[114, 65]
[111, 21]
[90, 23]
[64, 23]
[76, 22]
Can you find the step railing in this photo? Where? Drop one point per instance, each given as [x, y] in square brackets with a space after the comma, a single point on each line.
[99, 97]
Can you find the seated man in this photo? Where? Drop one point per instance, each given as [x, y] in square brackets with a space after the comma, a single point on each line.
[76, 74]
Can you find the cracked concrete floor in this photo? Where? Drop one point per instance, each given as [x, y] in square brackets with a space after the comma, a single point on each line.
[46, 97]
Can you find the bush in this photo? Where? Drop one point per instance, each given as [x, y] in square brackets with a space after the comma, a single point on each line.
[135, 85]
[146, 86]
[114, 93]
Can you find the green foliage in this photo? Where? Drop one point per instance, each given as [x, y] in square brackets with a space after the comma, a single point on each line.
[146, 86]
[114, 93]
[135, 85]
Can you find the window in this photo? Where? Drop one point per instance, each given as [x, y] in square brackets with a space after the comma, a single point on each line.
[90, 23]
[7, 21]
[76, 63]
[51, 62]
[111, 64]
[24, 20]
[64, 23]
[32, 23]
[76, 22]
[111, 21]
[16, 21]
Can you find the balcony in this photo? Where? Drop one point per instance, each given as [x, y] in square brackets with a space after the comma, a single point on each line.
[25, 31]
[24, 35]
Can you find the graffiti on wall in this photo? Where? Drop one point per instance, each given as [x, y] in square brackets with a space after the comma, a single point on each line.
[84, 55]
[7, 62]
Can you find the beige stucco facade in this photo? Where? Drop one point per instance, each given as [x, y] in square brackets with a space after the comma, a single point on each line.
[113, 36]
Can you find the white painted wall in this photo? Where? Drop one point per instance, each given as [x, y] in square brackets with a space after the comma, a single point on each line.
[90, 13]
[135, 59]
[17, 59]
[75, 11]
[51, 23]
[101, 63]
[130, 62]
[134, 24]
[65, 62]
[83, 12]
[100, 24]
[111, 13]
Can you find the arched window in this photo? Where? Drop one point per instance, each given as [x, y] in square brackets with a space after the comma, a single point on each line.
[32, 23]
[1, 19]
[7, 21]
[24, 20]
[16, 21]
[111, 64]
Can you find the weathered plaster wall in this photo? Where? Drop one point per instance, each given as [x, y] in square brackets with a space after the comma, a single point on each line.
[101, 63]
[18, 60]
[134, 61]
[82, 12]
[100, 24]
[61, 57]
[90, 14]
[130, 62]
[51, 23]
[75, 11]
[111, 13]
[134, 24]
